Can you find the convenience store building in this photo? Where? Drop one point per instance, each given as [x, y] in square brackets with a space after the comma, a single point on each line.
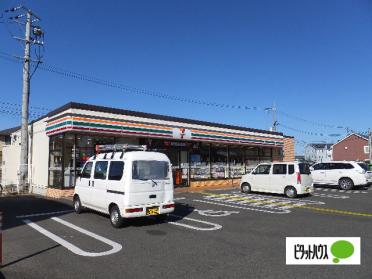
[202, 153]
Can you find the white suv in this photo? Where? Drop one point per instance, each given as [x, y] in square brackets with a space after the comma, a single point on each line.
[345, 174]
[289, 178]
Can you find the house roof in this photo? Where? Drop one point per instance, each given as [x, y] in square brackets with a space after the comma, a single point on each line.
[7, 132]
[355, 134]
[73, 105]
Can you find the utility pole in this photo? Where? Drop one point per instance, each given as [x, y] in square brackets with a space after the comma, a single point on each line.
[32, 35]
[274, 115]
[23, 167]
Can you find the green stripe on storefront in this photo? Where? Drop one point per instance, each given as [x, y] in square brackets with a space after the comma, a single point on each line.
[106, 126]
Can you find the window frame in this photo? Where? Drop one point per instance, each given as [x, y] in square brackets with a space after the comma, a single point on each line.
[289, 166]
[256, 173]
[85, 166]
[285, 171]
[109, 170]
[95, 168]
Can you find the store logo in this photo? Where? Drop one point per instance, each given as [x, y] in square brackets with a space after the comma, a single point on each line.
[181, 133]
[322, 251]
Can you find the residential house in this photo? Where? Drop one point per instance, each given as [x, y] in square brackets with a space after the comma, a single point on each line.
[354, 147]
[318, 152]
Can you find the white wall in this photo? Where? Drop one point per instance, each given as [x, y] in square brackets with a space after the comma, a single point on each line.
[38, 158]
[11, 158]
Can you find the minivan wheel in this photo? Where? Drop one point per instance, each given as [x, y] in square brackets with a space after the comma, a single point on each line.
[77, 205]
[245, 188]
[345, 184]
[115, 217]
[290, 192]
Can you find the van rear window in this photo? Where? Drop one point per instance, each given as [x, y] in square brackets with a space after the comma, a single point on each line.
[146, 170]
[304, 168]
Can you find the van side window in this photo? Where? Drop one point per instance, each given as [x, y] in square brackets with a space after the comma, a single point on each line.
[291, 169]
[100, 170]
[279, 169]
[87, 170]
[116, 170]
[262, 169]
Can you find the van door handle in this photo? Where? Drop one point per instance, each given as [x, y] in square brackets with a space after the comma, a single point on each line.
[93, 183]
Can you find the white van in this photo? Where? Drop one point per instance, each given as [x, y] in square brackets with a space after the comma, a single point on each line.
[345, 174]
[289, 178]
[126, 183]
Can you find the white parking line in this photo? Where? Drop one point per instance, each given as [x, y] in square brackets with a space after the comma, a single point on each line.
[44, 214]
[342, 191]
[212, 227]
[178, 199]
[284, 210]
[116, 247]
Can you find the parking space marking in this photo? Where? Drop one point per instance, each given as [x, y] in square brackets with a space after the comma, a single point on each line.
[178, 199]
[321, 195]
[342, 191]
[337, 211]
[242, 207]
[44, 214]
[116, 247]
[255, 202]
[215, 213]
[213, 226]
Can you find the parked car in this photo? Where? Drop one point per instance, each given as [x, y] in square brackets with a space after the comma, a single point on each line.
[345, 174]
[289, 178]
[126, 185]
[367, 168]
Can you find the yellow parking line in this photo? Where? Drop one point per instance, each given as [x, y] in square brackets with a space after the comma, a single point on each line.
[336, 211]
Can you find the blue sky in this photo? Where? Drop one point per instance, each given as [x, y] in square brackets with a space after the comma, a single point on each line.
[312, 58]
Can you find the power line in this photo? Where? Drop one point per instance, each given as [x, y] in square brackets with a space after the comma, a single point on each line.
[139, 91]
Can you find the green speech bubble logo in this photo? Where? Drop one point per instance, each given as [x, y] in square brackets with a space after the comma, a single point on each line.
[342, 249]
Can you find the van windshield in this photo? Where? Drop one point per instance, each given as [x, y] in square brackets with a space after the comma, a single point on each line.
[147, 170]
[304, 168]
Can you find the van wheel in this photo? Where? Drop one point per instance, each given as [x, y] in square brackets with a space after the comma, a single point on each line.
[77, 205]
[290, 192]
[345, 184]
[245, 188]
[115, 217]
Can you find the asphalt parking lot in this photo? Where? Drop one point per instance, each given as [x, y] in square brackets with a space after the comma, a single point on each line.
[212, 234]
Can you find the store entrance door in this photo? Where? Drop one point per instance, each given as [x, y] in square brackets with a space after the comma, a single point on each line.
[184, 163]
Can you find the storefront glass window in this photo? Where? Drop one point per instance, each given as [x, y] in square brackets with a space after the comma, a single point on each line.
[55, 160]
[86, 147]
[219, 161]
[251, 158]
[199, 162]
[68, 160]
[265, 155]
[236, 157]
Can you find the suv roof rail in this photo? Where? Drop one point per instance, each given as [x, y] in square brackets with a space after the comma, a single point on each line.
[119, 147]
